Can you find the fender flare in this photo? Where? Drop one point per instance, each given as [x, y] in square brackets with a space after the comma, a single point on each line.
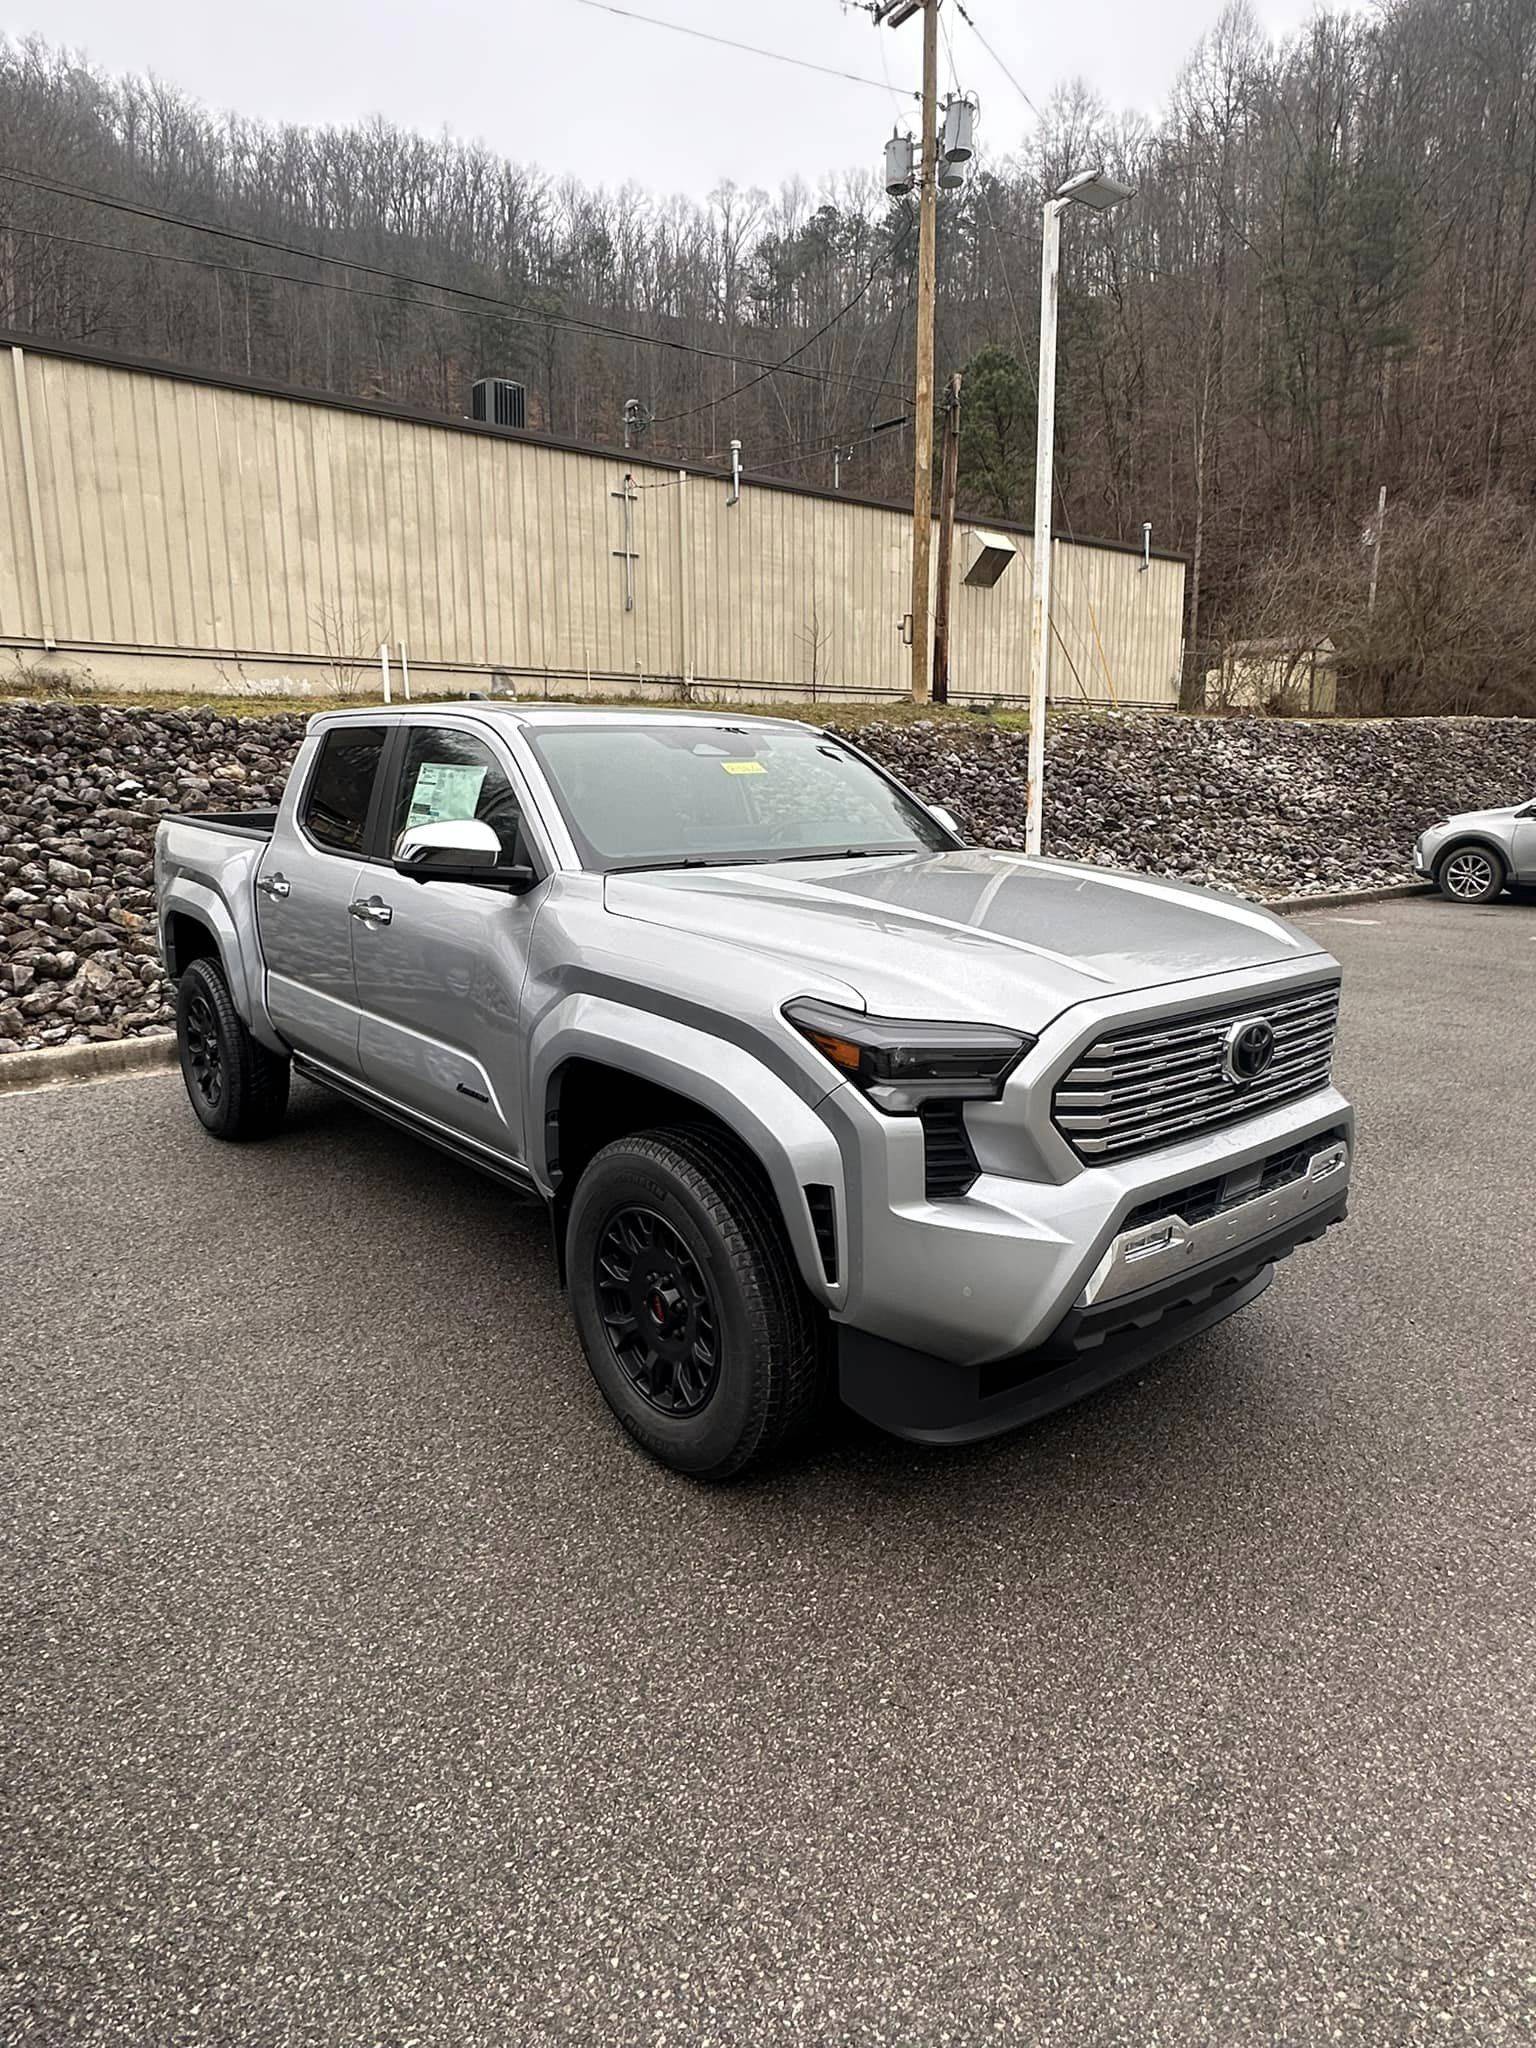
[205, 906]
[791, 1143]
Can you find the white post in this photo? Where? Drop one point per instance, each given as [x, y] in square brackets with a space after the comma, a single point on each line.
[1045, 442]
[1381, 520]
[384, 667]
[405, 670]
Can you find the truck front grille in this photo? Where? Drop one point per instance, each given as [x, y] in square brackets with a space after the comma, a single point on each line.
[1156, 1084]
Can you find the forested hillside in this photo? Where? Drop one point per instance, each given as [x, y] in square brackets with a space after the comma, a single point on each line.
[1324, 285]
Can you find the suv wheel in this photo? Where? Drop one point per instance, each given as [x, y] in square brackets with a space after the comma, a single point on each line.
[690, 1311]
[237, 1087]
[1471, 874]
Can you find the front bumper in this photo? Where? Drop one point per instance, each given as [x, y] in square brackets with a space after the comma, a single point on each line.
[1111, 1330]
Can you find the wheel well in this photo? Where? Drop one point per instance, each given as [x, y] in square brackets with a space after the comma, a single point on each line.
[187, 939]
[1472, 843]
[590, 1104]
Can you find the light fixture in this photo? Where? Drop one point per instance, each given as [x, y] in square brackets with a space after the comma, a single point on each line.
[1096, 189]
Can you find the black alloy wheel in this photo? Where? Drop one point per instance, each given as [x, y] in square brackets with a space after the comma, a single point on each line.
[204, 1052]
[696, 1325]
[237, 1086]
[658, 1311]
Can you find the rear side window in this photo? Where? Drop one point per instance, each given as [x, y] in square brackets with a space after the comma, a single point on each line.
[336, 807]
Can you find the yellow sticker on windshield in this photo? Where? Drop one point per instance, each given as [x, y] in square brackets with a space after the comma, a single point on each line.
[743, 767]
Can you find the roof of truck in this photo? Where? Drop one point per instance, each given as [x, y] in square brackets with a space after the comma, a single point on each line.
[515, 713]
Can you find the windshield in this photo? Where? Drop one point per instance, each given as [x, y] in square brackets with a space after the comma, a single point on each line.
[656, 795]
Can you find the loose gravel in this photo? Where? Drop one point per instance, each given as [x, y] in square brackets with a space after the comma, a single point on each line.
[1262, 806]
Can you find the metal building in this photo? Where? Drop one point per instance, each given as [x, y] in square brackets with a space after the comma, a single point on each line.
[164, 530]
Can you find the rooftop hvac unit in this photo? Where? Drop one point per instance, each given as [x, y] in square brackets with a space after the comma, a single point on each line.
[499, 401]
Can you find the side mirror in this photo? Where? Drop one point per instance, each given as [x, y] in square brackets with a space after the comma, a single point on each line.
[457, 850]
[946, 818]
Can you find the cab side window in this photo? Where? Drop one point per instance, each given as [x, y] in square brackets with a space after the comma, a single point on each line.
[446, 775]
[336, 802]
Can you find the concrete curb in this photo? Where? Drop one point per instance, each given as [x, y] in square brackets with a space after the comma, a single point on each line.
[1292, 906]
[52, 1066]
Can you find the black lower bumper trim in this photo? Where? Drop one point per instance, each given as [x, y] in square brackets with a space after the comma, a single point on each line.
[913, 1394]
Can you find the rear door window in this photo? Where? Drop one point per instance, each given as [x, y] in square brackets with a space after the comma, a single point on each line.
[336, 803]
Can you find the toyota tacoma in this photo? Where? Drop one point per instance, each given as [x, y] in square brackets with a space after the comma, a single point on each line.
[817, 1096]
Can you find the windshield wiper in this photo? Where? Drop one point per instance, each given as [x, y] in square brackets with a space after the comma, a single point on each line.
[652, 867]
[847, 853]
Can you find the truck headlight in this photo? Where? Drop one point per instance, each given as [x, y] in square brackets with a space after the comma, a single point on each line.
[900, 1062]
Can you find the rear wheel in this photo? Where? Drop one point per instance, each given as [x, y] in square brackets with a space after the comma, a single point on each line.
[1471, 874]
[690, 1311]
[238, 1088]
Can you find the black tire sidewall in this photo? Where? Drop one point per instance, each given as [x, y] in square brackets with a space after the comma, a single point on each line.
[203, 978]
[711, 1439]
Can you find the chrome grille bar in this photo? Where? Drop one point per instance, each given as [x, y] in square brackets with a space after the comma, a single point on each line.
[1135, 1090]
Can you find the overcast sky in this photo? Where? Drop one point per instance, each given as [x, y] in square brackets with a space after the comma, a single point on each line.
[576, 90]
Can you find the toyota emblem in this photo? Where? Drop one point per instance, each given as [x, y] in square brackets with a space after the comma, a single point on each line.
[1250, 1049]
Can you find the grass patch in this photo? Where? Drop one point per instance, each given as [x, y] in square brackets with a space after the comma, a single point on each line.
[34, 685]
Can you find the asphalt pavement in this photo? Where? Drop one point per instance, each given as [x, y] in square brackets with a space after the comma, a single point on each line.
[365, 1688]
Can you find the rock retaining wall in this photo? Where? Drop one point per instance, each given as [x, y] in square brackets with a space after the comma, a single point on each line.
[1263, 806]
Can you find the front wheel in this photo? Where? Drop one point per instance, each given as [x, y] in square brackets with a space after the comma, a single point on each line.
[237, 1087]
[690, 1311]
[1471, 874]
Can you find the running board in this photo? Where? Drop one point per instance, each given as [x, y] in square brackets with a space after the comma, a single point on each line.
[465, 1150]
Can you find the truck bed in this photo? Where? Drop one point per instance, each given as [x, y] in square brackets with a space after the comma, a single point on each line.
[258, 825]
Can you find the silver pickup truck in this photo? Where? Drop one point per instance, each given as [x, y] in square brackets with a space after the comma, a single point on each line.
[816, 1095]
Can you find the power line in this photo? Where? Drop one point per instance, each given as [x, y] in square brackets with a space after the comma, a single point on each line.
[688, 411]
[414, 305]
[976, 32]
[703, 35]
[780, 461]
[572, 321]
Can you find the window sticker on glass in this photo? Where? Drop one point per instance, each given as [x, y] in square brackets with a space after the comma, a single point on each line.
[743, 767]
[445, 793]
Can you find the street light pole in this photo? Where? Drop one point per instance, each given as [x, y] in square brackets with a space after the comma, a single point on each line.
[1045, 444]
[922, 401]
[1095, 189]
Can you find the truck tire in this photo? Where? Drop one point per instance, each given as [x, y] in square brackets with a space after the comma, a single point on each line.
[237, 1087]
[1470, 874]
[695, 1324]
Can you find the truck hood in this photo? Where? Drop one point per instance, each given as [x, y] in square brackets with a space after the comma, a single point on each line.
[970, 934]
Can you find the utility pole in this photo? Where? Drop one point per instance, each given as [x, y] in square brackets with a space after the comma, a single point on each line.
[949, 477]
[894, 13]
[1381, 520]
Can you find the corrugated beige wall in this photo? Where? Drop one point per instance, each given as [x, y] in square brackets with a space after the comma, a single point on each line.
[178, 519]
